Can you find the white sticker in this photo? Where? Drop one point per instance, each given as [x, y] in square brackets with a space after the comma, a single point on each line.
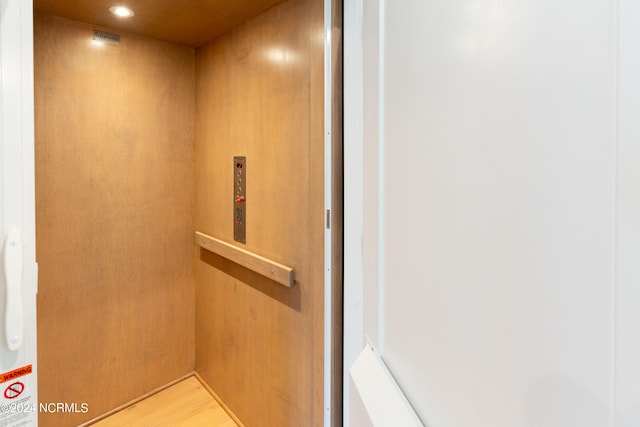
[18, 407]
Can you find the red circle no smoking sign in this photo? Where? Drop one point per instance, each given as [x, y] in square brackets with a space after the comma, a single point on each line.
[14, 390]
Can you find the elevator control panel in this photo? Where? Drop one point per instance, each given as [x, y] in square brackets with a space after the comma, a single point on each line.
[239, 198]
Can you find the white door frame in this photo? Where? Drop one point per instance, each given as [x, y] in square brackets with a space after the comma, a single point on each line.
[328, 197]
[354, 204]
[17, 188]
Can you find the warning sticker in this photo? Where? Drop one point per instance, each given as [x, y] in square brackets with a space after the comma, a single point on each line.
[18, 407]
[16, 373]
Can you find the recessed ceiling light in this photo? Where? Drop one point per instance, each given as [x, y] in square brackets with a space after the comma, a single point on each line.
[122, 11]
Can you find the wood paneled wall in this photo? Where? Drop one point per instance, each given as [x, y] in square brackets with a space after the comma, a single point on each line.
[115, 208]
[259, 93]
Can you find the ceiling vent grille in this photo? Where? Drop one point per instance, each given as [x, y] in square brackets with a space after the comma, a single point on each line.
[103, 36]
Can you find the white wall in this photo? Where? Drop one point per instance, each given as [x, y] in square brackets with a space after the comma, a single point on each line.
[506, 231]
[627, 332]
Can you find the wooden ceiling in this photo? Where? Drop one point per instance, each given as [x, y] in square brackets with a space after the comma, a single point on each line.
[185, 22]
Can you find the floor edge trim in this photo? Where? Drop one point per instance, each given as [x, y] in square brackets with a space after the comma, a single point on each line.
[141, 398]
[217, 399]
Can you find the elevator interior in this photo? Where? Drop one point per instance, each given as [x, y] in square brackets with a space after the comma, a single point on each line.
[135, 148]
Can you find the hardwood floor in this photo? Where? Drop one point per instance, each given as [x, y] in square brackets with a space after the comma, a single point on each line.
[186, 404]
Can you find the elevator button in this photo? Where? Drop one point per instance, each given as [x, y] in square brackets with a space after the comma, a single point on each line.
[239, 194]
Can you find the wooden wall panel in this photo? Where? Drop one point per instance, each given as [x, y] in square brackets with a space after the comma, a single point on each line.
[337, 214]
[115, 208]
[259, 94]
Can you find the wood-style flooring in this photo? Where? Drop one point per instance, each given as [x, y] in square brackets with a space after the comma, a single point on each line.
[185, 404]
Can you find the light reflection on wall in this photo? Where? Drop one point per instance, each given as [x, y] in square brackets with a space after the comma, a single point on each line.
[280, 55]
[97, 44]
[488, 28]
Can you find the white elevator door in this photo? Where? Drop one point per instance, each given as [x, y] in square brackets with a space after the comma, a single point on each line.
[18, 269]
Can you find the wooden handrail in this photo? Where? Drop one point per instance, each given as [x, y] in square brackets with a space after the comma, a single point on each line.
[261, 265]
